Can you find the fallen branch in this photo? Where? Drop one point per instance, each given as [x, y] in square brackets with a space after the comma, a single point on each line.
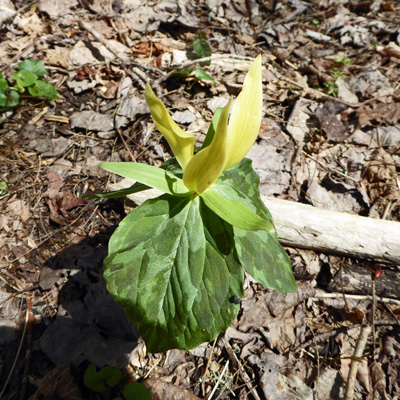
[357, 356]
[305, 226]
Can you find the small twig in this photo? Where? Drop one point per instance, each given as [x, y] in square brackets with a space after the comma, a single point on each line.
[207, 365]
[204, 60]
[324, 336]
[373, 312]
[18, 353]
[219, 380]
[355, 297]
[242, 371]
[358, 353]
[341, 285]
[28, 355]
[126, 146]
[135, 75]
[310, 90]
[327, 167]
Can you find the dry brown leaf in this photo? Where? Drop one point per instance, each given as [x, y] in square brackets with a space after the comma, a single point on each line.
[58, 384]
[329, 118]
[150, 49]
[161, 390]
[379, 113]
[31, 24]
[56, 8]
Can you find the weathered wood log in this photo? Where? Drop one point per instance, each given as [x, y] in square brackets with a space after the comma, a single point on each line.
[302, 225]
[356, 279]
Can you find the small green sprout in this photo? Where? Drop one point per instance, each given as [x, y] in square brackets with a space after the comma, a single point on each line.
[27, 79]
[3, 188]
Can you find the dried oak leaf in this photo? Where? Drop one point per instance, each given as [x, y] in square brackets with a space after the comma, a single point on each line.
[330, 122]
[161, 390]
[379, 113]
[58, 384]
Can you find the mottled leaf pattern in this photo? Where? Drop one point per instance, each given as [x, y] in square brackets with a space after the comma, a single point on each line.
[259, 251]
[173, 266]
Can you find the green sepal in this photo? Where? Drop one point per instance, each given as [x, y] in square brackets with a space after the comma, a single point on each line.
[170, 165]
[151, 176]
[136, 188]
[173, 266]
[233, 211]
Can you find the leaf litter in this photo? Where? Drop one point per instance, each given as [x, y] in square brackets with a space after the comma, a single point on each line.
[330, 137]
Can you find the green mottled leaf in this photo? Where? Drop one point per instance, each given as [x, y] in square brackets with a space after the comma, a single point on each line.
[260, 252]
[43, 90]
[201, 47]
[172, 265]
[35, 66]
[265, 259]
[25, 78]
[148, 175]
[199, 73]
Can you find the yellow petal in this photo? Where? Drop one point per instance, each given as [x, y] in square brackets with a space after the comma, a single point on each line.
[245, 120]
[181, 143]
[207, 165]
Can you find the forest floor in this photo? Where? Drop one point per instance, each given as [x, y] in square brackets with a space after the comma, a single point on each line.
[330, 137]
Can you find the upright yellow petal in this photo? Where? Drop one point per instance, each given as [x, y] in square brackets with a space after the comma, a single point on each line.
[207, 165]
[245, 120]
[181, 143]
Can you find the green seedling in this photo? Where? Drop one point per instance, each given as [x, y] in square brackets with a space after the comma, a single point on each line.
[3, 188]
[202, 49]
[100, 380]
[27, 80]
[331, 89]
[338, 73]
[176, 263]
[201, 46]
[343, 60]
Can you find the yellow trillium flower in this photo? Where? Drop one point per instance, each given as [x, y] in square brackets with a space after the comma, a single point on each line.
[230, 143]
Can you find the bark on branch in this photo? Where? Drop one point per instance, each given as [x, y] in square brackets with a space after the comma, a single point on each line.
[302, 225]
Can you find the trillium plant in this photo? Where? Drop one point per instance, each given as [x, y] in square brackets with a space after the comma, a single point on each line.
[176, 263]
